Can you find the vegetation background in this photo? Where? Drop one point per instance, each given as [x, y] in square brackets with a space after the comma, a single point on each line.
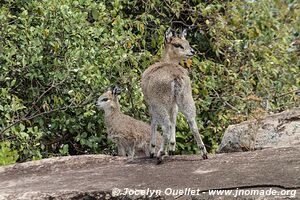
[57, 56]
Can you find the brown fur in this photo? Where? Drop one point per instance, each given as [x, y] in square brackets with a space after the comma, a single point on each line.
[167, 89]
[131, 136]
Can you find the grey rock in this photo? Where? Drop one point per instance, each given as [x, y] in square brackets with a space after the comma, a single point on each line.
[277, 130]
[90, 177]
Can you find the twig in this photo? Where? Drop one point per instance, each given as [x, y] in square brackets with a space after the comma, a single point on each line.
[286, 93]
[181, 22]
[228, 104]
[41, 114]
[67, 136]
[45, 92]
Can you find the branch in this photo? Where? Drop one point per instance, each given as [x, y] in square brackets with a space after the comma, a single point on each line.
[41, 114]
[286, 93]
[184, 24]
[45, 92]
[228, 104]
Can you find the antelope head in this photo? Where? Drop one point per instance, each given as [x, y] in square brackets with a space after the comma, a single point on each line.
[177, 48]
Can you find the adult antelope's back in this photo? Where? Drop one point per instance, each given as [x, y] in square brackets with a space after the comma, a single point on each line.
[167, 89]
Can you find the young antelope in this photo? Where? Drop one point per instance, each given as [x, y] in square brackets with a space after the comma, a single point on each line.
[131, 136]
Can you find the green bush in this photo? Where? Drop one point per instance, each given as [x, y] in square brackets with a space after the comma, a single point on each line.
[56, 57]
[7, 155]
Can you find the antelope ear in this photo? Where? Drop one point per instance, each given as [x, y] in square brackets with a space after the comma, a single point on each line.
[116, 91]
[183, 33]
[168, 35]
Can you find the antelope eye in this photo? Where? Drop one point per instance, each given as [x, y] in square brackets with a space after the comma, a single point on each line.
[178, 46]
[104, 99]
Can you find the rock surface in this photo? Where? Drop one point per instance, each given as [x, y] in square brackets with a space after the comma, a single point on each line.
[278, 130]
[94, 176]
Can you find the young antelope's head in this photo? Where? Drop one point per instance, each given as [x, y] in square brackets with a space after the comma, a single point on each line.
[177, 48]
[108, 101]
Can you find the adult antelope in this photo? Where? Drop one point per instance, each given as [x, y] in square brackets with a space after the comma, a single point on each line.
[167, 90]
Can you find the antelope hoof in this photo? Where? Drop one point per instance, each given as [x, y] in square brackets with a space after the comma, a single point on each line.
[151, 155]
[204, 156]
[159, 160]
[160, 156]
[171, 153]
